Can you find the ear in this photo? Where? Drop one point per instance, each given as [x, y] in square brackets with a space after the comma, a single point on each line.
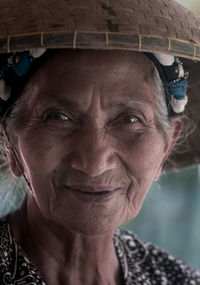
[14, 164]
[176, 128]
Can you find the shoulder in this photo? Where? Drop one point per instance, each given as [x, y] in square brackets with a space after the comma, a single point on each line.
[6, 243]
[4, 235]
[143, 260]
[15, 265]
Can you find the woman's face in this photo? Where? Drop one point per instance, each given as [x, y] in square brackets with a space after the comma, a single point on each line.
[88, 139]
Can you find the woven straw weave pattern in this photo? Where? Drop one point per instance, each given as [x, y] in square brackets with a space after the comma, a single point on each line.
[152, 17]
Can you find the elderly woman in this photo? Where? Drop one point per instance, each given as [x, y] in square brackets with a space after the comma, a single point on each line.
[89, 130]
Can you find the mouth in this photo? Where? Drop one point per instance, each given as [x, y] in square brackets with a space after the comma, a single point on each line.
[94, 195]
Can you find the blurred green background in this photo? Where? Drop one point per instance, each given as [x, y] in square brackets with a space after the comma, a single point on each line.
[170, 216]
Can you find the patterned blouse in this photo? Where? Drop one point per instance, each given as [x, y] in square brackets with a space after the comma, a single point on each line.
[141, 263]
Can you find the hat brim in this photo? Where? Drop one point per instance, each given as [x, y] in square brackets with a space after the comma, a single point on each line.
[101, 41]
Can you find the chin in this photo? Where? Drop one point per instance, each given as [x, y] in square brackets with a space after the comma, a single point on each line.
[88, 225]
[83, 221]
[91, 230]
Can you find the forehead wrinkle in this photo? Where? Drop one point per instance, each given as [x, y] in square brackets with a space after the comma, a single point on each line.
[127, 102]
[60, 101]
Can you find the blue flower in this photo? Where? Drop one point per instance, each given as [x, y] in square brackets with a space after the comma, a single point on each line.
[21, 63]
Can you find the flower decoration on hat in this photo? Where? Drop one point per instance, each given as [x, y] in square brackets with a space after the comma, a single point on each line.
[17, 64]
[174, 80]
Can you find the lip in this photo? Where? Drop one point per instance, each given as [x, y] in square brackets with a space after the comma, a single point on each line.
[93, 195]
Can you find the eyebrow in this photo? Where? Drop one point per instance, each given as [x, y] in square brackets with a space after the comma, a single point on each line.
[128, 102]
[66, 103]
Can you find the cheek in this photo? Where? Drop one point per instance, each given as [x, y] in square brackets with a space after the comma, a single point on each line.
[40, 156]
[143, 153]
[40, 148]
[143, 159]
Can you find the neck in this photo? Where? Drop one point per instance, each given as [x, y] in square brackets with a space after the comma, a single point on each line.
[62, 255]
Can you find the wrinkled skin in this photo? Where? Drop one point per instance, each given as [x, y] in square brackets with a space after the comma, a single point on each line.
[90, 123]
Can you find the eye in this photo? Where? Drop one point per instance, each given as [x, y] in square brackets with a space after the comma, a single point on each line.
[57, 116]
[130, 119]
[127, 120]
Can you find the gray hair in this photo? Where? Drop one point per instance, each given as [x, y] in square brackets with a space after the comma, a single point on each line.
[162, 108]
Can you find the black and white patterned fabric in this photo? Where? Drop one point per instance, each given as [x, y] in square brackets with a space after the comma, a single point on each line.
[141, 263]
[145, 264]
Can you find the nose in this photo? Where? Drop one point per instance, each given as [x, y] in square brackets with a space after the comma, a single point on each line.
[93, 154]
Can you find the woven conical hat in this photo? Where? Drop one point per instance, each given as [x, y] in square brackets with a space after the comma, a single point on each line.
[143, 25]
[138, 25]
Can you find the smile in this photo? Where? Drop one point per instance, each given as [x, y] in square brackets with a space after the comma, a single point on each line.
[93, 195]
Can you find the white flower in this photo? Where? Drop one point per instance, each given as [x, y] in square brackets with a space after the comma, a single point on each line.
[165, 59]
[178, 105]
[35, 53]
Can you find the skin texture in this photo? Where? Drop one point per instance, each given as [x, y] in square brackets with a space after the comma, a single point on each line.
[89, 124]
